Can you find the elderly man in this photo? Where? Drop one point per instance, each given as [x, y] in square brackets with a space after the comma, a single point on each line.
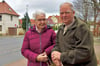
[74, 42]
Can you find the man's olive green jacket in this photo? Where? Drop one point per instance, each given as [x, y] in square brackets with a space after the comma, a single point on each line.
[76, 45]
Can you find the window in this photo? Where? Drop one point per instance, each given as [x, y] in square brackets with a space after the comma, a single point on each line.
[0, 27]
[0, 17]
[10, 9]
[11, 17]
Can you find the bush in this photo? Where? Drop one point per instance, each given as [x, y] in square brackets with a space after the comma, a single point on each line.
[0, 34]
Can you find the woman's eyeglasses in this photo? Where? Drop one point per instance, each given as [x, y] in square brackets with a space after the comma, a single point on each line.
[41, 19]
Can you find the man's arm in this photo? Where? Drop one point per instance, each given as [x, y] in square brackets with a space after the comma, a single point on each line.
[56, 47]
[83, 50]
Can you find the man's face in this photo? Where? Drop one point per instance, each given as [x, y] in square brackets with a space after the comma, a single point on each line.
[40, 21]
[66, 14]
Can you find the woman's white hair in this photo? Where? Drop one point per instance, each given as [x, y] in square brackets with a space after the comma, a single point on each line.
[38, 12]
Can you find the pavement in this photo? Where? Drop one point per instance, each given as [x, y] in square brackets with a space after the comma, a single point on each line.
[23, 62]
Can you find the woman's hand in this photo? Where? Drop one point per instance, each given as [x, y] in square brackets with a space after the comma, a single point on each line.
[42, 57]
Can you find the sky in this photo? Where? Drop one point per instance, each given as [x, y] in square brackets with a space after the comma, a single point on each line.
[51, 7]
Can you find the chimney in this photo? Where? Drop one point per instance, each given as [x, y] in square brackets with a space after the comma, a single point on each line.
[3, 1]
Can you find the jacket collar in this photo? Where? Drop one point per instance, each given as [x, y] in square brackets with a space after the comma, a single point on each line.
[33, 28]
[73, 26]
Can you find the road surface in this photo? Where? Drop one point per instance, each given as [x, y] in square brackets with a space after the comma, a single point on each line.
[10, 49]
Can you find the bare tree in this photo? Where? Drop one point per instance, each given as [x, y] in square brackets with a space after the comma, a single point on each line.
[84, 9]
[96, 12]
[78, 5]
[89, 9]
[97, 4]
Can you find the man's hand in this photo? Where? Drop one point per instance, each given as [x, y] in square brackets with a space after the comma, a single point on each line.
[57, 62]
[55, 55]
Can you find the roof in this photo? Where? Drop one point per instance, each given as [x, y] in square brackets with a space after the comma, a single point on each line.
[50, 21]
[31, 20]
[57, 17]
[20, 21]
[6, 9]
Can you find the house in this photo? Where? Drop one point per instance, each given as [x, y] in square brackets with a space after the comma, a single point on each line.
[54, 19]
[8, 18]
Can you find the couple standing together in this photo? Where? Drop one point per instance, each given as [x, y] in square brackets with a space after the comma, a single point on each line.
[72, 46]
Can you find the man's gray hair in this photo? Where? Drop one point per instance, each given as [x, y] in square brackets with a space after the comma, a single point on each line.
[38, 12]
[67, 3]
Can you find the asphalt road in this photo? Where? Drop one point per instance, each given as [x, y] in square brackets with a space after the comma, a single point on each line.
[10, 49]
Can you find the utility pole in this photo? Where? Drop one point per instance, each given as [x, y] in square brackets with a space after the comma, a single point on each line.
[26, 18]
[3, 0]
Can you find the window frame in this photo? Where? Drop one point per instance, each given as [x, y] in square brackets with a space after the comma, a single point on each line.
[0, 27]
[0, 17]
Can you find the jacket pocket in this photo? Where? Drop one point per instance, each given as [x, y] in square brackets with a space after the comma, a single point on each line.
[71, 43]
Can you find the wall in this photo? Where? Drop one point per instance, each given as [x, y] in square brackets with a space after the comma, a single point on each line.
[6, 22]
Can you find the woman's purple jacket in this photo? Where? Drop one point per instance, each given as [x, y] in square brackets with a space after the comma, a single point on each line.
[35, 43]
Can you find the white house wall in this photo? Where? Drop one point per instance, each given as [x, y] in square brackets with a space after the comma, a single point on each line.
[2, 23]
[6, 22]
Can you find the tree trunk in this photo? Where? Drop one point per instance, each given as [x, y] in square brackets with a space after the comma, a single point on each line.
[97, 4]
[95, 17]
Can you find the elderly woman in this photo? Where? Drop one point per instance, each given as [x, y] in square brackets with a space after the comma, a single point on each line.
[38, 41]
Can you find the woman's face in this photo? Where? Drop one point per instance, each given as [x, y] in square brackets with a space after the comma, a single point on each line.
[40, 21]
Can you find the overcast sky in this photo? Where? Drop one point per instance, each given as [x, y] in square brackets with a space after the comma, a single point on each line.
[51, 7]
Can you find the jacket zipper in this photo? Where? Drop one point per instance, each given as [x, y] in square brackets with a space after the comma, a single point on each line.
[40, 49]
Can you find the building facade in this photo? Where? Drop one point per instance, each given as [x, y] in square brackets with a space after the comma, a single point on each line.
[8, 18]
